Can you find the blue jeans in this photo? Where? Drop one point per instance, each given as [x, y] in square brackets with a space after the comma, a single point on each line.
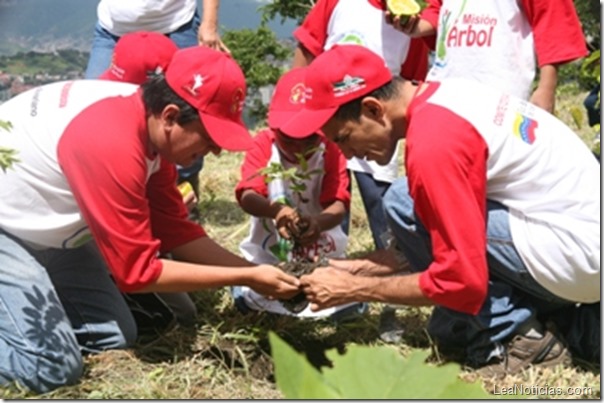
[372, 192]
[103, 43]
[56, 304]
[513, 298]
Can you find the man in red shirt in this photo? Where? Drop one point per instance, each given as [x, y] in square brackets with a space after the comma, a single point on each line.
[69, 244]
[498, 217]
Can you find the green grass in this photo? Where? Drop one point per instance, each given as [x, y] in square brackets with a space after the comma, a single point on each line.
[227, 354]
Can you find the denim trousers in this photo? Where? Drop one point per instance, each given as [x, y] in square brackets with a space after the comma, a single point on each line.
[103, 43]
[372, 192]
[56, 304]
[513, 299]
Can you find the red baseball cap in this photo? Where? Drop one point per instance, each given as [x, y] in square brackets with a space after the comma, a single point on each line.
[137, 55]
[213, 83]
[337, 76]
[288, 99]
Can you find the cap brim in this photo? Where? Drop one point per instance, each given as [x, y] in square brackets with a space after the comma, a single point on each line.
[227, 134]
[106, 75]
[307, 121]
[276, 119]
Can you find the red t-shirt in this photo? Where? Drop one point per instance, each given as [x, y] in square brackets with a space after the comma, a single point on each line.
[128, 197]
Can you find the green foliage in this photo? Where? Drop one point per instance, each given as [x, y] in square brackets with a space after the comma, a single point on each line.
[590, 70]
[365, 372]
[589, 14]
[296, 10]
[261, 57]
[7, 156]
[296, 176]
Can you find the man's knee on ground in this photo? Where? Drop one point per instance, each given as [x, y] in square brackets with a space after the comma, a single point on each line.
[44, 372]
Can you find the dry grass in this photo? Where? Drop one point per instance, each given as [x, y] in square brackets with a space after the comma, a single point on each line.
[227, 354]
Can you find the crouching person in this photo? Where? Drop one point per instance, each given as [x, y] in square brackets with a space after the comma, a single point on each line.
[70, 244]
[498, 217]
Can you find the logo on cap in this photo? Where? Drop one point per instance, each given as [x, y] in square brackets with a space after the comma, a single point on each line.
[237, 104]
[297, 94]
[348, 85]
[195, 84]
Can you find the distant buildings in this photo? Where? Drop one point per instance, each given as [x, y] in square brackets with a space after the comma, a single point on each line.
[13, 84]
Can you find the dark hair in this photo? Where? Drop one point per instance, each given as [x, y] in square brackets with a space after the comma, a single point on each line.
[352, 109]
[157, 94]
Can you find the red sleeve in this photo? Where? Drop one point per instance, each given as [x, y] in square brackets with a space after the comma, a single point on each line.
[109, 185]
[557, 31]
[335, 181]
[169, 215]
[431, 11]
[446, 166]
[415, 66]
[256, 158]
[430, 14]
[312, 34]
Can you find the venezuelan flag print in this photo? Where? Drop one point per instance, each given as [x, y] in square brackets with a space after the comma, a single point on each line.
[524, 128]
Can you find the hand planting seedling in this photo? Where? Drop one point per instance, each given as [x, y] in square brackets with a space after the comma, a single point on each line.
[295, 228]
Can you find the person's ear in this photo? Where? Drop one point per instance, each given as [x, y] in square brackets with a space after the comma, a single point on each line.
[372, 108]
[169, 115]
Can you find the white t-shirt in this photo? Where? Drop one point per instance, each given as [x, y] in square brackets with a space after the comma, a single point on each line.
[358, 22]
[39, 118]
[467, 143]
[487, 41]
[123, 16]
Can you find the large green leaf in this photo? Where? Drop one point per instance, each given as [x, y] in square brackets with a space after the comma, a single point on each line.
[365, 372]
[295, 376]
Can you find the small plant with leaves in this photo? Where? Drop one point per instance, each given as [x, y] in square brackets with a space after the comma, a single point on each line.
[7, 155]
[290, 251]
[297, 178]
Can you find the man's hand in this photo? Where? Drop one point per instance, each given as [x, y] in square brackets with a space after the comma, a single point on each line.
[273, 283]
[327, 287]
